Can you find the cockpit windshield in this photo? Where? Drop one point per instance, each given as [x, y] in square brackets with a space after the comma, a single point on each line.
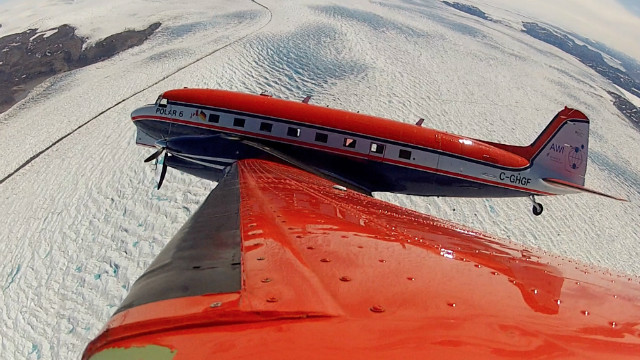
[161, 102]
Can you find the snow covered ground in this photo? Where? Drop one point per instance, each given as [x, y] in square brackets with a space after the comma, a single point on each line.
[81, 222]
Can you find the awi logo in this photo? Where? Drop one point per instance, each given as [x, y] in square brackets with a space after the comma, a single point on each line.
[575, 157]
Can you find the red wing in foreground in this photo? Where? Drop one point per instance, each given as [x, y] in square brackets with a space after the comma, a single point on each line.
[277, 263]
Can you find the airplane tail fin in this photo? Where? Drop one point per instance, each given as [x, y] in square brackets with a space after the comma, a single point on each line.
[560, 151]
[559, 154]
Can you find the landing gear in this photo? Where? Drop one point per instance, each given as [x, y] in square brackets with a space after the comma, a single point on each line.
[537, 207]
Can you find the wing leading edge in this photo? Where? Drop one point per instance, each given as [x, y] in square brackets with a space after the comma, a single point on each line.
[326, 272]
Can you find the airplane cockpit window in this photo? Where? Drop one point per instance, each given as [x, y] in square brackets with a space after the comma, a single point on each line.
[161, 102]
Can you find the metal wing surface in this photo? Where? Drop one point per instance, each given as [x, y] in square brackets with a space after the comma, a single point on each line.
[280, 263]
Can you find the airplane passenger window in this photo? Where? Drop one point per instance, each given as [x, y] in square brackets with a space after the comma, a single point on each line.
[404, 154]
[349, 142]
[238, 122]
[266, 127]
[377, 148]
[294, 132]
[322, 137]
[214, 118]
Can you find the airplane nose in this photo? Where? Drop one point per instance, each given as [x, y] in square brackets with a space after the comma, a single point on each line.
[141, 111]
[136, 112]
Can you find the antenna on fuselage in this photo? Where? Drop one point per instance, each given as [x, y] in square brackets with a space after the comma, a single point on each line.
[419, 123]
[306, 99]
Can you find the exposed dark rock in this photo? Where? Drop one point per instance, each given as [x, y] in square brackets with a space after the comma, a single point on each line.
[631, 65]
[469, 9]
[585, 54]
[30, 57]
[595, 61]
[628, 79]
[627, 108]
[115, 44]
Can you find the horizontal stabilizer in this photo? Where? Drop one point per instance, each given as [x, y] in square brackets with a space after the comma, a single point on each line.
[566, 184]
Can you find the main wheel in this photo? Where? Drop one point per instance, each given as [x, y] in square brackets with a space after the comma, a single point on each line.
[537, 209]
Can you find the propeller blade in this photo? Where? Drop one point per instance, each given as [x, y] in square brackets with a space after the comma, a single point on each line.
[162, 173]
[155, 155]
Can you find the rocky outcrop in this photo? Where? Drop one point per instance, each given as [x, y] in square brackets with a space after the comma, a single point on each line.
[469, 9]
[30, 57]
[627, 108]
[585, 54]
[595, 61]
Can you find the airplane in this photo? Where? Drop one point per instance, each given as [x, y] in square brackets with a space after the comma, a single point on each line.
[203, 131]
[289, 259]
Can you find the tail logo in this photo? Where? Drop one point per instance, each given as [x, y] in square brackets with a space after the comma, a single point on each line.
[575, 158]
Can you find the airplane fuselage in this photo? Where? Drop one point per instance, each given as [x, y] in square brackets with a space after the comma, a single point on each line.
[207, 130]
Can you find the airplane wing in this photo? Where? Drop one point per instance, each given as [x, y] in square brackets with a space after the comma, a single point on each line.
[280, 263]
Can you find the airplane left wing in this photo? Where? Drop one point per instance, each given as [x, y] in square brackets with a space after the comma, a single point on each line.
[280, 263]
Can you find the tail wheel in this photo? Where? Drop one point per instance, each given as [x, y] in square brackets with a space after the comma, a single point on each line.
[537, 209]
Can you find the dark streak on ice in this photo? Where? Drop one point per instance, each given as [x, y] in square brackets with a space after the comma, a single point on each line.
[12, 277]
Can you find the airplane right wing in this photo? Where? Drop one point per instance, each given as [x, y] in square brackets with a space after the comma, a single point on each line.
[281, 263]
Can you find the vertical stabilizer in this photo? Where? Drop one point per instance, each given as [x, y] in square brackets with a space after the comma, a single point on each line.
[560, 152]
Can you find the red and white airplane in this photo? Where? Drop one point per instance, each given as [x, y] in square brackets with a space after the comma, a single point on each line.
[285, 260]
[204, 131]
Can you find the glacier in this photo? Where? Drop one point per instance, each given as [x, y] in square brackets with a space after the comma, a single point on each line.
[83, 220]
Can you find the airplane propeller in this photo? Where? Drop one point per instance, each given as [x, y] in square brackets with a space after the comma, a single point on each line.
[156, 154]
[162, 148]
[163, 172]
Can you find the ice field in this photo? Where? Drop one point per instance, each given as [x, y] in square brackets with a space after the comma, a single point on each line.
[83, 220]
